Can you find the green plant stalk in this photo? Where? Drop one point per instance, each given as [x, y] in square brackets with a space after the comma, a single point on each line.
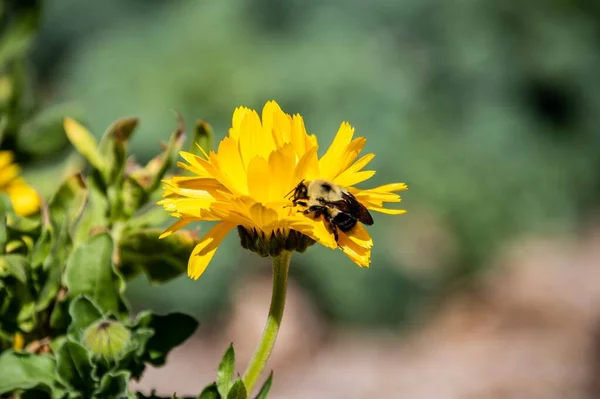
[281, 265]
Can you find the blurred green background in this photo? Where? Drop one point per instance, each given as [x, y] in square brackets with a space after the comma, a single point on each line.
[489, 111]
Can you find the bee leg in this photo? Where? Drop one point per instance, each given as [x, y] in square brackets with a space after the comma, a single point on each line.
[335, 232]
[332, 226]
[316, 210]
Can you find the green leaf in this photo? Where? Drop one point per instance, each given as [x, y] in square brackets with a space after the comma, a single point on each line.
[161, 260]
[153, 395]
[165, 336]
[95, 215]
[85, 143]
[238, 390]
[150, 216]
[3, 223]
[17, 39]
[68, 201]
[74, 366]
[15, 246]
[90, 272]
[225, 371]
[166, 160]
[27, 317]
[35, 394]
[113, 384]
[264, 390]
[15, 266]
[59, 318]
[210, 392]
[117, 134]
[114, 149]
[83, 313]
[18, 296]
[42, 247]
[44, 134]
[138, 341]
[50, 289]
[203, 138]
[22, 224]
[26, 371]
[134, 196]
[132, 358]
[57, 342]
[142, 336]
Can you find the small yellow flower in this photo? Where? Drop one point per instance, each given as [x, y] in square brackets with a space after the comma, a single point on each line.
[244, 184]
[24, 198]
[18, 342]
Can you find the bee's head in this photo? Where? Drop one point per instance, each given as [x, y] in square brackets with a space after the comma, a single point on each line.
[299, 192]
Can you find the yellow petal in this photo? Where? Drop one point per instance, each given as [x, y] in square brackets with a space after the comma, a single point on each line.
[24, 198]
[301, 140]
[375, 197]
[176, 226]
[196, 164]
[387, 211]
[187, 206]
[253, 140]
[329, 164]
[356, 248]
[315, 229]
[258, 181]
[360, 236]
[351, 153]
[6, 158]
[206, 184]
[307, 167]
[263, 217]
[276, 124]
[206, 248]
[8, 174]
[351, 179]
[388, 188]
[236, 122]
[282, 164]
[353, 174]
[230, 163]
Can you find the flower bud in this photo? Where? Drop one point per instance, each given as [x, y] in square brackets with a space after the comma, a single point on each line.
[106, 338]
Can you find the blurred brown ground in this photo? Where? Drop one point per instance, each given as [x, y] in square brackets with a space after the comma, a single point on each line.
[532, 330]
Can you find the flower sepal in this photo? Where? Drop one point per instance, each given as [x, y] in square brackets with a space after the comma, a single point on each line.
[273, 244]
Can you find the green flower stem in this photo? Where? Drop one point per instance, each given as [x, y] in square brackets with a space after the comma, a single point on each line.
[281, 265]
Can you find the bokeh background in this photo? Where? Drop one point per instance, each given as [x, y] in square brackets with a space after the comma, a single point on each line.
[489, 287]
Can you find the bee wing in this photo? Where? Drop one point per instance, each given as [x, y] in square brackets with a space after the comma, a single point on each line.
[350, 205]
[363, 213]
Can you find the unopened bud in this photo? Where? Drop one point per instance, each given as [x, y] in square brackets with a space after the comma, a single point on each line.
[106, 338]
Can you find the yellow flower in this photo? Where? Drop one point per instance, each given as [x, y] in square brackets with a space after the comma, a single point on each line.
[244, 184]
[24, 198]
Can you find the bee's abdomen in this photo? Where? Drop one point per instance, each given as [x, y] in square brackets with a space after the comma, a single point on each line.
[344, 222]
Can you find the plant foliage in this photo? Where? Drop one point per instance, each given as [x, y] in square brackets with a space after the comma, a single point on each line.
[65, 326]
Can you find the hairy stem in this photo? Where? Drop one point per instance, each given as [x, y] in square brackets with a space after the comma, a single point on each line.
[281, 264]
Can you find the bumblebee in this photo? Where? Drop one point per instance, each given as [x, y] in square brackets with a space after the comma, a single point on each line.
[338, 207]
